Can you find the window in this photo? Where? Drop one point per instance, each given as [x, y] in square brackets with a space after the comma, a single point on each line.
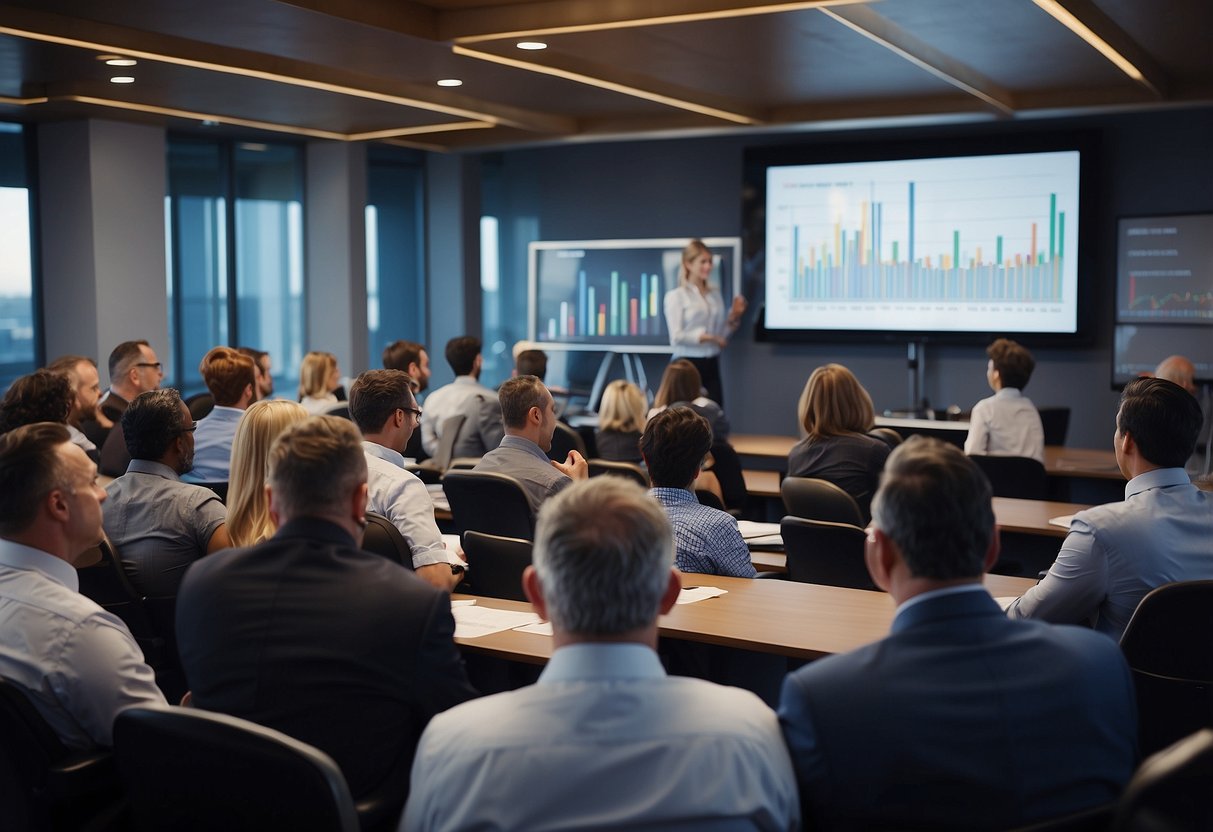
[234, 221]
[395, 253]
[18, 319]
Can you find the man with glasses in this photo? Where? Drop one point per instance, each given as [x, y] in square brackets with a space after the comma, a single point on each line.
[134, 369]
[158, 524]
[383, 408]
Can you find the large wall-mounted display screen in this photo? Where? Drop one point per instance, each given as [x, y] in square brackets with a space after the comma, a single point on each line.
[608, 294]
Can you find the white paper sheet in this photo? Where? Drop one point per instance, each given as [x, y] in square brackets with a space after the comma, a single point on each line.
[691, 594]
[1062, 520]
[477, 621]
[543, 628]
[760, 534]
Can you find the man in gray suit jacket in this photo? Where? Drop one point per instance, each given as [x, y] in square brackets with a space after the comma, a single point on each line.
[960, 718]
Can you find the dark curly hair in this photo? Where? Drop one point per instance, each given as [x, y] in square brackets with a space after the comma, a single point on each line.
[41, 396]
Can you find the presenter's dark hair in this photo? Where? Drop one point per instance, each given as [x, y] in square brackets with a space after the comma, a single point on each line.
[376, 395]
[1163, 419]
[152, 421]
[461, 354]
[674, 444]
[29, 470]
[1013, 362]
[936, 505]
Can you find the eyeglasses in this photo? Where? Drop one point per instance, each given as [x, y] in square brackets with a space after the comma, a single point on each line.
[416, 411]
[156, 364]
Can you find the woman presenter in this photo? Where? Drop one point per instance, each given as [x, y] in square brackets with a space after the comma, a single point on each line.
[695, 316]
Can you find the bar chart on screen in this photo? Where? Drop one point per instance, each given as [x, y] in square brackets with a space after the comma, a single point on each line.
[925, 243]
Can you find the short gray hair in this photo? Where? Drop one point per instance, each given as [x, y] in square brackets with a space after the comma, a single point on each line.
[935, 504]
[314, 465]
[603, 552]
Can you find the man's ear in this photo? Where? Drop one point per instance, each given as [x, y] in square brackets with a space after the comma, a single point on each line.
[995, 546]
[272, 501]
[533, 589]
[358, 504]
[670, 597]
[57, 505]
[881, 556]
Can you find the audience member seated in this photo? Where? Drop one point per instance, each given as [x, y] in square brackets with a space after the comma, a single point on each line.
[1007, 423]
[681, 384]
[232, 379]
[79, 665]
[248, 509]
[264, 364]
[621, 418]
[412, 358]
[383, 408]
[158, 524]
[81, 373]
[958, 719]
[41, 396]
[531, 362]
[605, 739]
[529, 417]
[319, 378]
[675, 444]
[836, 414]
[134, 369]
[465, 396]
[1182, 371]
[1162, 532]
[309, 635]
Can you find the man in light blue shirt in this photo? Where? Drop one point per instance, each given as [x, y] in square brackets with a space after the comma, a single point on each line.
[231, 376]
[1162, 532]
[674, 445]
[605, 739]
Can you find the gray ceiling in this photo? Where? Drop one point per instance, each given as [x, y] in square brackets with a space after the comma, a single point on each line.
[367, 69]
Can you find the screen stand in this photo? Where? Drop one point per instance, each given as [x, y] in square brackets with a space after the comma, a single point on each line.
[916, 370]
[633, 371]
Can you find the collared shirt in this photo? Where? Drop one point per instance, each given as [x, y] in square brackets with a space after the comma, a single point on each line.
[934, 593]
[402, 498]
[78, 438]
[689, 314]
[705, 539]
[158, 524]
[465, 395]
[1116, 553]
[1006, 424]
[319, 405]
[78, 664]
[526, 462]
[605, 724]
[213, 445]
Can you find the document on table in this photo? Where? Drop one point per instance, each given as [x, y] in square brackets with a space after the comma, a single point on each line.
[760, 534]
[691, 594]
[472, 621]
[441, 503]
[1062, 520]
[543, 628]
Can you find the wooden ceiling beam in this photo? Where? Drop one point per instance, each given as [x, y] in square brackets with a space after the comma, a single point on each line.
[1100, 32]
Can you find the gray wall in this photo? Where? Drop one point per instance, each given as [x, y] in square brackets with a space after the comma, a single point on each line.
[1148, 163]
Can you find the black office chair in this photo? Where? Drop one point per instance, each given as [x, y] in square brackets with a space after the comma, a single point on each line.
[1014, 476]
[1169, 646]
[441, 460]
[628, 470]
[826, 553]
[709, 499]
[185, 768]
[1095, 819]
[1055, 421]
[488, 502]
[43, 784]
[106, 583]
[565, 439]
[496, 564]
[1170, 791]
[816, 499]
[381, 537]
[727, 467]
[887, 435]
[220, 489]
[200, 405]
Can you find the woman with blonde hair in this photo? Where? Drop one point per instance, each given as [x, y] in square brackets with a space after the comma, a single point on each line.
[621, 418]
[836, 414]
[248, 510]
[682, 384]
[319, 377]
[696, 319]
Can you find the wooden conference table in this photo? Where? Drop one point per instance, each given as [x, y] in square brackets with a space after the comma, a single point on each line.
[804, 621]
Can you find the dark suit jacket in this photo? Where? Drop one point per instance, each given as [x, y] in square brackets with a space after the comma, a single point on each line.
[334, 646]
[113, 407]
[961, 719]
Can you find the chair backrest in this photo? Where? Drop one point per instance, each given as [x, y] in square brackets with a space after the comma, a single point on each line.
[727, 467]
[826, 553]
[200, 405]
[565, 439]
[630, 470]
[43, 784]
[107, 583]
[381, 537]
[815, 499]
[1169, 646]
[495, 564]
[220, 489]
[1170, 791]
[488, 502]
[709, 499]
[887, 435]
[185, 768]
[1055, 421]
[1014, 476]
[446, 441]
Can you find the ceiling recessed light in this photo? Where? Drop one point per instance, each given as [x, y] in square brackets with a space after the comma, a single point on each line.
[450, 82]
[122, 79]
[121, 62]
[532, 45]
